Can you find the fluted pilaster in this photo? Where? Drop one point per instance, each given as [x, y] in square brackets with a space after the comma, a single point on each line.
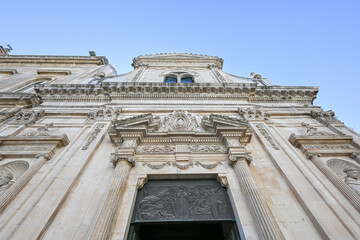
[11, 193]
[353, 198]
[106, 219]
[265, 223]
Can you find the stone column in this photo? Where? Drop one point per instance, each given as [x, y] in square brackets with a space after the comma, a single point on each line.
[123, 163]
[353, 198]
[266, 225]
[11, 193]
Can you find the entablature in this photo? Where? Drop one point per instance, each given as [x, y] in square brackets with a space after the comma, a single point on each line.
[143, 90]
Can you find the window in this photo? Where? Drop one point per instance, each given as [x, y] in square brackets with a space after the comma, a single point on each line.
[179, 77]
[171, 79]
[187, 79]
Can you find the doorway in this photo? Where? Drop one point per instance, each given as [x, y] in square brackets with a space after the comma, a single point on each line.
[183, 210]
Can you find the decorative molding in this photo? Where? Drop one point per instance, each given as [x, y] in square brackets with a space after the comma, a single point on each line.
[267, 136]
[208, 165]
[329, 146]
[326, 145]
[325, 117]
[104, 113]
[254, 114]
[222, 179]
[27, 117]
[156, 149]
[156, 166]
[25, 148]
[207, 149]
[31, 146]
[183, 166]
[41, 131]
[116, 158]
[312, 131]
[116, 91]
[142, 180]
[93, 136]
[178, 121]
[233, 158]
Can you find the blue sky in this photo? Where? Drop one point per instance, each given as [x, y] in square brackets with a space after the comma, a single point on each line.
[306, 43]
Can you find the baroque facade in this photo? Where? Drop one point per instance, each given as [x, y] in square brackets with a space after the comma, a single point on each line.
[175, 149]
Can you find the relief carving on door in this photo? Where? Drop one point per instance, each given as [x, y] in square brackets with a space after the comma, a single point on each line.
[182, 201]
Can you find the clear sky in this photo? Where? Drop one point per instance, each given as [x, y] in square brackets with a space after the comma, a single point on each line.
[305, 43]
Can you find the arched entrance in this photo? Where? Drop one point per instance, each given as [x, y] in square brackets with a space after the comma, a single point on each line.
[183, 209]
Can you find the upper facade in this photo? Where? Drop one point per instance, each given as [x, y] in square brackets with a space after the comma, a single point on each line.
[182, 68]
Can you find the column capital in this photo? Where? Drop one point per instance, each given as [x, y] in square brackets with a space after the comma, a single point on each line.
[46, 156]
[116, 158]
[233, 158]
[311, 156]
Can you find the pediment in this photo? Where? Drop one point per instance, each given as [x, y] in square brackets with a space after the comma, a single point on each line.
[179, 125]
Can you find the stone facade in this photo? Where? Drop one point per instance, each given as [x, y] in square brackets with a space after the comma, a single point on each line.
[78, 141]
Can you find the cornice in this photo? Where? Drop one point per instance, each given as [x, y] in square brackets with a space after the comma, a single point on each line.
[329, 145]
[31, 146]
[18, 99]
[177, 59]
[113, 91]
[45, 59]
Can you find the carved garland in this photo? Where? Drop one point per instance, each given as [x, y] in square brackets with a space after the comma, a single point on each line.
[182, 166]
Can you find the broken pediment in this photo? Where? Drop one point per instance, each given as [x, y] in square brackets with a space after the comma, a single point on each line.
[179, 126]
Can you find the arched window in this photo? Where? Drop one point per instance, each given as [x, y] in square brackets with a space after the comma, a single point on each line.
[171, 79]
[187, 79]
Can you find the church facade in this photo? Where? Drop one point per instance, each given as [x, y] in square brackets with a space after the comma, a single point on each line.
[175, 149]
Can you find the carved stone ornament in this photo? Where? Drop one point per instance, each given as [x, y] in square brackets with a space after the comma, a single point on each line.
[107, 92]
[30, 146]
[208, 165]
[179, 121]
[222, 179]
[104, 113]
[325, 117]
[346, 171]
[240, 157]
[115, 158]
[10, 173]
[253, 114]
[207, 149]
[142, 180]
[156, 166]
[185, 200]
[312, 131]
[183, 166]
[28, 117]
[326, 145]
[156, 149]
[93, 136]
[267, 136]
[41, 131]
